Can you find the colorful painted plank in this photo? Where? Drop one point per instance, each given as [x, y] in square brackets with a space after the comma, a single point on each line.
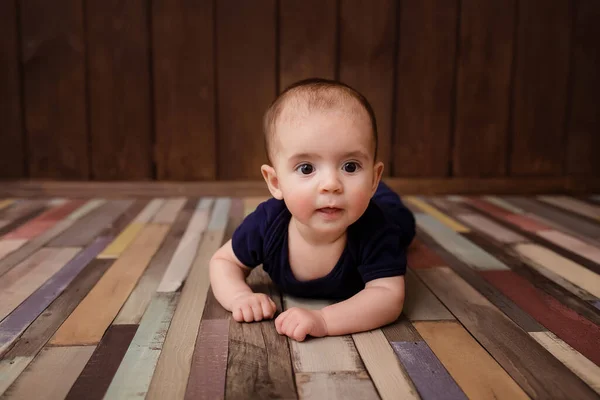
[138, 300]
[173, 368]
[88, 207]
[562, 221]
[435, 213]
[522, 221]
[473, 369]
[27, 277]
[41, 376]
[8, 246]
[430, 377]
[420, 256]
[572, 244]
[209, 362]
[169, 211]
[127, 236]
[420, 304]
[99, 371]
[181, 262]
[35, 337]
[527, 362]
[258, 357]
[45, 220]
[91, 318]
[543, 259]
[491, 229]
[91, 225]
[581, 366]
[458, 245]
[575, 206]
[133, 377]
[13, 325]
[401, 330]
[326, 354]
[502, 203]
[5, 203]
[389, 377]
[571, 327]
[335, 385]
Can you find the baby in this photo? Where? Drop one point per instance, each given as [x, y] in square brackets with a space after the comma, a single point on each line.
[332, 229]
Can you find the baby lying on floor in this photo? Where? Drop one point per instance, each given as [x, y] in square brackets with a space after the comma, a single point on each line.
[332, 230]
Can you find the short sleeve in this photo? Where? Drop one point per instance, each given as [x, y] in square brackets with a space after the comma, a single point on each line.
[248, 238]
[383, 255]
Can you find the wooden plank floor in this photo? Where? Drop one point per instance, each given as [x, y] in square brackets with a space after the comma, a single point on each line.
[110, 298]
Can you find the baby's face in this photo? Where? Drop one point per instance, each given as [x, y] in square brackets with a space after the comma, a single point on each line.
[325, 168]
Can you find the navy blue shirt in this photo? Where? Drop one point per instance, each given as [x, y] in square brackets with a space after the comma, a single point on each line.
[375, 247]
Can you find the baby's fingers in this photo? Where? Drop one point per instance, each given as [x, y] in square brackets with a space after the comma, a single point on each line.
[268, 308]
[238, 315]
[247, 312]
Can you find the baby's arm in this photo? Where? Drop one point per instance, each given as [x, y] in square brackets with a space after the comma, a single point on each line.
[378, 304]
[228, 281]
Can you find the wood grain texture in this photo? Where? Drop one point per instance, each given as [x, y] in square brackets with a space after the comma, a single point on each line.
[183, 258]
[138, 300]
[133, 377]
[13, 325]
[27, 277]
[523, 222]
[572, 244]
[584, 368]
[540, 87]
[575, 206]
[53, 57]
[485, 56]
[389, 377]
[41, 375]
[491, 293]
[335, 385]
[420, 304]
[462, 248]
[497, 333]
[307, 40]
[401, 330]
[173, 368]
[491, 229]
[88, 227]
[420, 256]
[437, 214]
[44, 221]
[12, 137]
[475, 371]
[209, 362]
[367, 56]
[561, 220]
[245, 95]
[91, 318]
[542, 258]
[118, 74]
[169, 211]
[425, 71]
[259, 358]
[584, 118]
[426, 371]
[99, 371]
[580, 333]
[35, 337]
[503, 203]
[184, 89]
[21, 214]
[326, 354]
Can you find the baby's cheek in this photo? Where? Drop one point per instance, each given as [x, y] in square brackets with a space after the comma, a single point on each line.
[299, 203]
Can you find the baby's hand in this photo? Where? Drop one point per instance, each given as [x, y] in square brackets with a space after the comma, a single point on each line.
[252, 307]
[299, 322]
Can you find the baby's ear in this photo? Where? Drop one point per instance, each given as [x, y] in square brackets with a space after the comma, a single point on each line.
[377, 173]
[270, 176]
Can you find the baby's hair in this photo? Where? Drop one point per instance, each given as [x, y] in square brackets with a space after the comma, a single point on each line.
[317, 94]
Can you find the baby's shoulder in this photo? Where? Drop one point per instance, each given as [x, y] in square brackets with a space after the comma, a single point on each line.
[268, 215]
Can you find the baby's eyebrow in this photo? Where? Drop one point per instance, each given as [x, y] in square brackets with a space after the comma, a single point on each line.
[356, 154]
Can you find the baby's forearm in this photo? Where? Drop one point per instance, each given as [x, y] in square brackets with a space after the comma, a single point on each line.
[371, 308]
[227, 281]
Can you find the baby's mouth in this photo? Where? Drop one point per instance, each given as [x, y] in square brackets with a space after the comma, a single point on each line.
[329, 210]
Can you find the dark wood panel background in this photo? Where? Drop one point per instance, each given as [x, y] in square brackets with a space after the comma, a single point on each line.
[175, 89]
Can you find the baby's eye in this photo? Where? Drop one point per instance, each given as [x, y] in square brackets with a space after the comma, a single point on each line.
[351, 167]
[305, 169]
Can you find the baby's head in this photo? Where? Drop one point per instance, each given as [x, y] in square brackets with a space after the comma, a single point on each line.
[321, 140]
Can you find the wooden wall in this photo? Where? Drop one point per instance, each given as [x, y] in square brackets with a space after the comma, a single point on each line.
[175, 89]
